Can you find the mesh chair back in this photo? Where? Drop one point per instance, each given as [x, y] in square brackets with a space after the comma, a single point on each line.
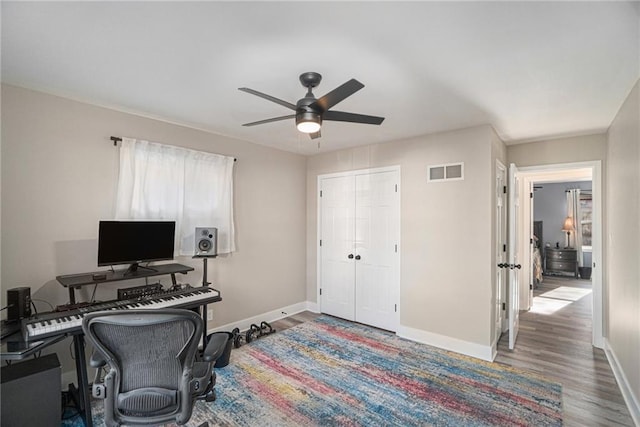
[151, 354]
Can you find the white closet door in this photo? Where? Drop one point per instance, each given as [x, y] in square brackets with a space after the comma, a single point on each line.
[358, 258]
[337, 271]
[376, 258]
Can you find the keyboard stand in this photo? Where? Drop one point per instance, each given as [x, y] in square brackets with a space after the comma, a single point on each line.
[76, 281]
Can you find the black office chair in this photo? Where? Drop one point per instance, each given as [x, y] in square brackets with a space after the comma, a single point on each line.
[155, 372]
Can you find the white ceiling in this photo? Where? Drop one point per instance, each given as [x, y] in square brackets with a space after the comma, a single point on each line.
[533, 70]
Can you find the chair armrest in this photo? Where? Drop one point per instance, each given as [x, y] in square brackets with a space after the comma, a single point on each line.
[215, 347]
[97, 360]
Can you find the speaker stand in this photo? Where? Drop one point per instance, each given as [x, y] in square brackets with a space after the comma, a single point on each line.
[205, 314]
[204, 272]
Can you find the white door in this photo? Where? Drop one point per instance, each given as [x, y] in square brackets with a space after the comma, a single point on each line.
[532, 278]
[514, 266]
[359, 229]
[376, 245]
[337, 263]
[501, 249]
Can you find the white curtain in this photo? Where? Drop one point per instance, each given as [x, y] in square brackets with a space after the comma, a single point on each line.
[192, 188]
[573, 210]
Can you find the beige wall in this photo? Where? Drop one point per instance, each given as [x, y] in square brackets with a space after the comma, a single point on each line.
[623, 239]
[561, 150]
[59, 174]
[446, 253]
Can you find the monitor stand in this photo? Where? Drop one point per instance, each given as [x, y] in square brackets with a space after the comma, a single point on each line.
[133, 268]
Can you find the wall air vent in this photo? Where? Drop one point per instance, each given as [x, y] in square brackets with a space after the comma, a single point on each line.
[448, 172]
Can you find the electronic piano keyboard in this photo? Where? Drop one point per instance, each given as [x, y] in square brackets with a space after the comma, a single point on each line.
[68, 322]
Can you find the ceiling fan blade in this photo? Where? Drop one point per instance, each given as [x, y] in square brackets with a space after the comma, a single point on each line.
[338, 94]
[315, 135]
[341, 116]
[268, 97]
[275, 119]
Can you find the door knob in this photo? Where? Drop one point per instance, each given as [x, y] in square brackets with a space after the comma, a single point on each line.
[350, 256]
[357, 256]
[518, 266]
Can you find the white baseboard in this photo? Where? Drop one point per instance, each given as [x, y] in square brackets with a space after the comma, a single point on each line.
[269, 316]
[478, 351]
[625, 388]
[494, 348]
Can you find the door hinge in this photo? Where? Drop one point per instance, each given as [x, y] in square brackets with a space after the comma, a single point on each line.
[530, 286]
[396, 248]
[320, 193]
[504, 189]
[504, 248]
[504, 305]
[395, 308]
[396, 188]
[320, 242]
[320, 291]
[531, 195]
[531, 241]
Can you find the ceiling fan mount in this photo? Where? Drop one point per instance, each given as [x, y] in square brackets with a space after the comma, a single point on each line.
[310, 112]
[310, 79]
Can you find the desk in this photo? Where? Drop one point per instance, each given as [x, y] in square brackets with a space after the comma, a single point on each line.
[76, 281]
[14, 347]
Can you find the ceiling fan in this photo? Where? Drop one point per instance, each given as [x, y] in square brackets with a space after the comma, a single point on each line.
[310, 112]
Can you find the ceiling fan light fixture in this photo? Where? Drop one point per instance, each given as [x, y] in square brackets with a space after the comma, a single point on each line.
[308, 122]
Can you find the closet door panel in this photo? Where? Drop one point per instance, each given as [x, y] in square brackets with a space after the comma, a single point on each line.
[337, 275]
[376, 239]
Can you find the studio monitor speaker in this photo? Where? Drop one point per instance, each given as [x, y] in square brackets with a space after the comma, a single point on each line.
[18, 303]
[206, 242]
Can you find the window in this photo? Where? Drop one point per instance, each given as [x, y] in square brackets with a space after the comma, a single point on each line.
[586, 213]
[192, 188]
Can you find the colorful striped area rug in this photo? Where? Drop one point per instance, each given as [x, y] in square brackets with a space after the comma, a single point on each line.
[330, 372]
[334, 372]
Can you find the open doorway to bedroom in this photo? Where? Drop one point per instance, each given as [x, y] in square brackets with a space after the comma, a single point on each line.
[557, 253]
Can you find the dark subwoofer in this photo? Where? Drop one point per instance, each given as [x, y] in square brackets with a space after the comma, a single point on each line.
[31, 393]
[18, 303]
[206, 240]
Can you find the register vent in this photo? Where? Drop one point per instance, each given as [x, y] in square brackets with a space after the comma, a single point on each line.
[448, 172]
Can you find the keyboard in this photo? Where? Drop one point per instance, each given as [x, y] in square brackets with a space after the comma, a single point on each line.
[69, 322]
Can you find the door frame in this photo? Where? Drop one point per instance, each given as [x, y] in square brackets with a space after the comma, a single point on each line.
[557, 172]
[395, 168]
[501, 230]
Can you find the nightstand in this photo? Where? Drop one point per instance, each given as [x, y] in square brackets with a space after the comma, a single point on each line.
[561, 261]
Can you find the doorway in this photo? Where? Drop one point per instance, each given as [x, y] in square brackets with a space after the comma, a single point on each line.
[582, 171]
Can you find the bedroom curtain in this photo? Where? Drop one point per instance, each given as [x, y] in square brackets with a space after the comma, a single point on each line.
[573, 210]
[164, 182]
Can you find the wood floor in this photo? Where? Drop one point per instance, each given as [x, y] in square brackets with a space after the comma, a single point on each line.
[555, 342]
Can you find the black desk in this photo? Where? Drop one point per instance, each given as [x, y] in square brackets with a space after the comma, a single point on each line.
[14, 347]
[76, 281]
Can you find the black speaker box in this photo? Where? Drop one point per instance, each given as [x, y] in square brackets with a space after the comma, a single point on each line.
[206, 240]
[31, 393]
[19, 303]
